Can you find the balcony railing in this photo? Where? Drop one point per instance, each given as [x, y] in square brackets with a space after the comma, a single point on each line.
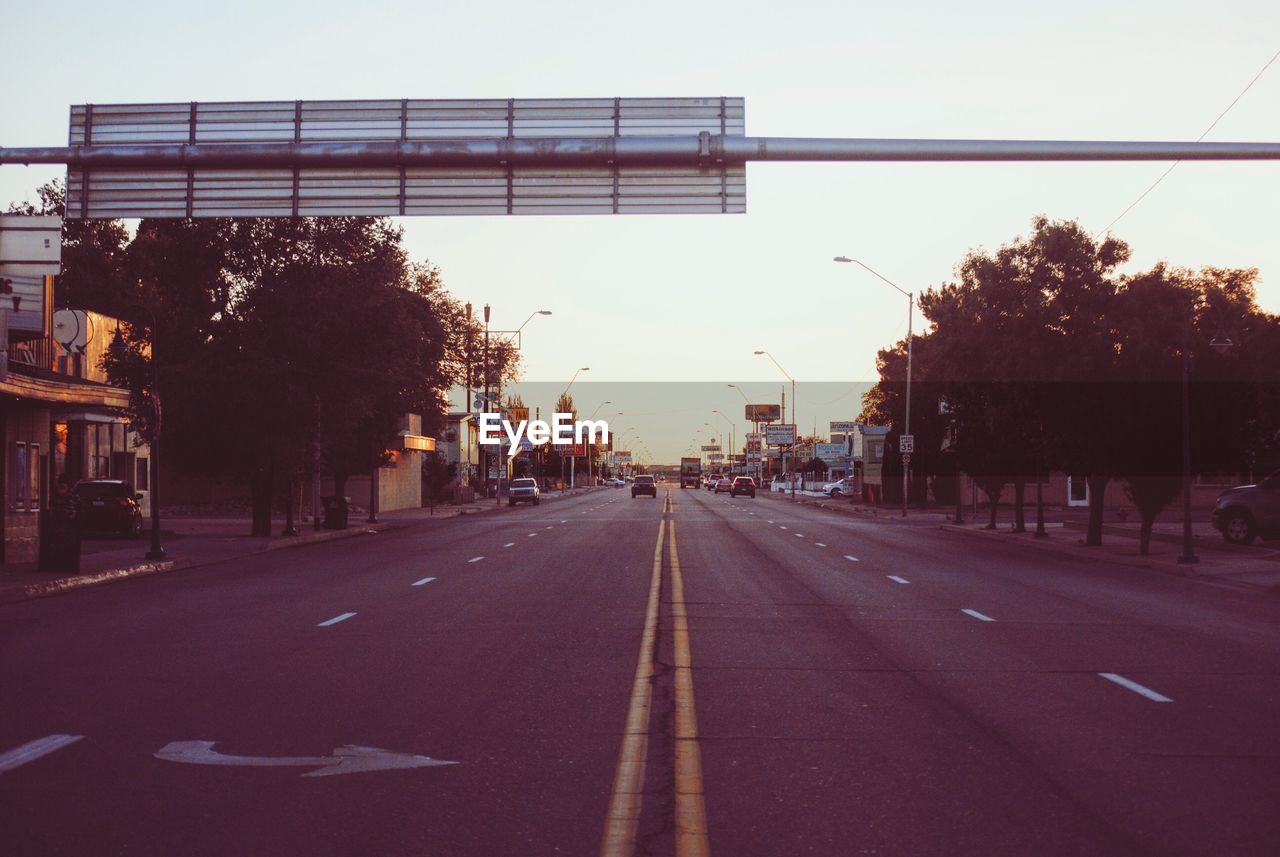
[37, 353]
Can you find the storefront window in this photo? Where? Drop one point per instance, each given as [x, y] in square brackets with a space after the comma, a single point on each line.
[19, 482]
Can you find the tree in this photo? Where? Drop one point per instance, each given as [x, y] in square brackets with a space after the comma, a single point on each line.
[277, 332]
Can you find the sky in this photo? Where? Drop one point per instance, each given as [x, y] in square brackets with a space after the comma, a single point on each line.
[663, 299]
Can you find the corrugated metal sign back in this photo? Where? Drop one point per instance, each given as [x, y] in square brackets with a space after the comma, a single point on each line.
[409, 190]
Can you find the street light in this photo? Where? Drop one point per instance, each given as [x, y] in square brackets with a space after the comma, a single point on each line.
[591, 474]
[795, 423]
[906, 427]
[118, 350]
[732, 437]
[1220, 343]
[574, 378]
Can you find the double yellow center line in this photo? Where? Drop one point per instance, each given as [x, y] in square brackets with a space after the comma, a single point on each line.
[628, 785]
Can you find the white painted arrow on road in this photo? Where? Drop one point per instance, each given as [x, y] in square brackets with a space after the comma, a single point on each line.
[345, 760]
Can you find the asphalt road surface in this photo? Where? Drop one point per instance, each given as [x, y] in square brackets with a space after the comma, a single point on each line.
[606, 676]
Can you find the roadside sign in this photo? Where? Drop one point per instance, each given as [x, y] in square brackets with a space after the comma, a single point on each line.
[907, 443]
[711, 447]
[763, 413]
[830, 452]
[842, 426]
[783, 434]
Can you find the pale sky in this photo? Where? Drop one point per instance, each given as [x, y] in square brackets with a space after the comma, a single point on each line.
[690, 298]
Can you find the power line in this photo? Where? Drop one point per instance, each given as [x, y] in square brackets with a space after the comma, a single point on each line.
[1212, 125]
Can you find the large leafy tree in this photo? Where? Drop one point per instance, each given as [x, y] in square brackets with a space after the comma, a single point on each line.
[1049, 358]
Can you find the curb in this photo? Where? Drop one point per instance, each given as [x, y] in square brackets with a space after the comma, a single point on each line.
[1149, 565]
[61, 585]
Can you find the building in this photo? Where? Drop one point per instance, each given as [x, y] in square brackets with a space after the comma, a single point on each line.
[59, 416]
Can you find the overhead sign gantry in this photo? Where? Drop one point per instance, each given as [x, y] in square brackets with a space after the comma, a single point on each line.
[482, 156]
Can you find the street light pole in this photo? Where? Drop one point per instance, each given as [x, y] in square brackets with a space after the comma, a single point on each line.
[795, 421]
[906, 428]
[117, 346]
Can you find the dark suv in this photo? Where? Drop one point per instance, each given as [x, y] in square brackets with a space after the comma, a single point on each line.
[743, 485]
[644, 485]
[109, 506]
[1243, 514]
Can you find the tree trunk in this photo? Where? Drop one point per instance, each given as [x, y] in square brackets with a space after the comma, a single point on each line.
[1144, 538]
[1097, 494]
[1019, 513]
[260, 494]
[994, 500]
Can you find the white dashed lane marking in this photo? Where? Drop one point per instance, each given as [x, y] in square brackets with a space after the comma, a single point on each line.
[335, 620]
[509, 545]
[897, 579]
[851, 558]
[820, 544]
[475, 559]
[975, 614]
[423, 582]
[1135, 687]
[531, 535]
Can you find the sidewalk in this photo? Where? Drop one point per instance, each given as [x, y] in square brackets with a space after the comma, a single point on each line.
[192, 541]
[1255, 567]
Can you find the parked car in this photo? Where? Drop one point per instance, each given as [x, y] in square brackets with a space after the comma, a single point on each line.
[1247, 512]
[743, 485]
[644, 485]
[839, 488]
[109, 506]
[524, 491]
[724, 486]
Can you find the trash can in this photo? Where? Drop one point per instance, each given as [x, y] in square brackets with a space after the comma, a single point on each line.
[335, 512]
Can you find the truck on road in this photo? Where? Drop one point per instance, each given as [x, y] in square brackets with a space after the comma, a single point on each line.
[690, 472]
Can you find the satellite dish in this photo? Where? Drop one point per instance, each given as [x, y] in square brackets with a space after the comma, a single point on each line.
[69, 328]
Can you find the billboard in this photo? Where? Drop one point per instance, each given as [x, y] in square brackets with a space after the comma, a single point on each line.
[622, 456]
[842, 426]
[420, 157]
[764, 413]
[711, 447]
[780, 435]
[831, 452]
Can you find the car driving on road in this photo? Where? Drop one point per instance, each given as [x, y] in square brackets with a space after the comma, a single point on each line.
[644, 485]
[524, 491]
[743, 485]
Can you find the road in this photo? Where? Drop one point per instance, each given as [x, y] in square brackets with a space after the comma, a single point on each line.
[688, 675]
